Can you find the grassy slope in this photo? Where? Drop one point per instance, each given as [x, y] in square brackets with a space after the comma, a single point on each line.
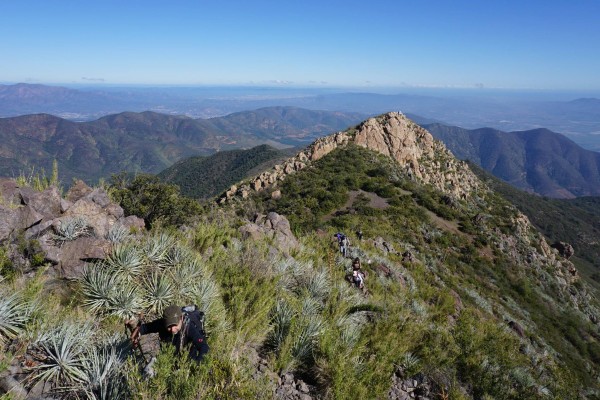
[445, 315]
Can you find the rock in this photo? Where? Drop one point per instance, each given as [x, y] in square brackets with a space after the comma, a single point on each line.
[133, 223]
[64, 205]
[100, 197]
[515, 326]
[94, 215]
[27, 217]
[38, 230]
[564, 249]
[78, 191]
[8, 222]
[302, 386]
[276, 195]
[46, 203]
[9, 192]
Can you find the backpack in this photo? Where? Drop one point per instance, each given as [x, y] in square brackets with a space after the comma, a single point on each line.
[191, 314]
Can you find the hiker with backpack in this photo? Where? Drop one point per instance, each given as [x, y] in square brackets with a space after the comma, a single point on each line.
[180, 326]
[344, 243]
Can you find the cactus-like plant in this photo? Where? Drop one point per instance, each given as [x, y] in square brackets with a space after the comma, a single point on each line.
[98, 283]
[14, 314]
[281, 321]
[70, 229]
[104, 378]
[60, 354]
[126, 261]
[125, 301]
[117, 233]
[158, 293]
[156, 249]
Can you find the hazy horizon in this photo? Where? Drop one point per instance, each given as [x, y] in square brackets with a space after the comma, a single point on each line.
[511, 45]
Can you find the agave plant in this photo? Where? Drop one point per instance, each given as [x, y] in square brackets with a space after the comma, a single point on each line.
[104, 378]
[61, 355]
[281, 322]
[204, 294]
[157, 248]
[305, 339]
[158, 293]
[318, 285]
[185, 275]
[117, 233]
[126, 261]
[14, 314]
[70, 229]
[97, 286]
[125, 301]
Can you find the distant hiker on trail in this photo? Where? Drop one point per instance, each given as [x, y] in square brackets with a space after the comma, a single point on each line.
[356, 264]
[359, 234]
[180, 326]
[343, 242]
[358, 280]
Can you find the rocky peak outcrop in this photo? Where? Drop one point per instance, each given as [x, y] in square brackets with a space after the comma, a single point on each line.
[424, 158]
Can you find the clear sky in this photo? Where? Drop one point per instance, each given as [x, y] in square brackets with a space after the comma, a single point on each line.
[538, 44]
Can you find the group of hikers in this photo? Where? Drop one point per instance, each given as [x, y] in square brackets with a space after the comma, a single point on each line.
[358, 276]
[183, 327]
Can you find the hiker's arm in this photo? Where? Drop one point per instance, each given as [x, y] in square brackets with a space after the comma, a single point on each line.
[151, 327]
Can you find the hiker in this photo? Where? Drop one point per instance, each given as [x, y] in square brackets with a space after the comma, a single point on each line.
[356, 264]
[180, 326]
[359, 234]
[358, 280]
[344, 243]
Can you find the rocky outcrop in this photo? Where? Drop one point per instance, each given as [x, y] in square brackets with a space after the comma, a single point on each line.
[564, 249]
[423, 158]
[273, 226]
[65, 232]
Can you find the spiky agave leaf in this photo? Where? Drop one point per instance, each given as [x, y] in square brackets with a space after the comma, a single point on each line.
[61, 354]
[104, 378]
[98, 283]
[158, 292]
[318, 285]
[117, 233]
[281, 322]
[305, 339]
[126, 261]
[125, 301]
[70, 229]
[14, 314]
[204, 294]
[177, 255]
[186, 276]
[156, 249]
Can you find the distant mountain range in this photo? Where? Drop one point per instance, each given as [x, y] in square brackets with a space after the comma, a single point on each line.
[148, 141]
[577, 117]
[538, 160]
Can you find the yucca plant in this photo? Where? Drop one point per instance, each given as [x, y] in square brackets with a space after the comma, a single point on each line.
[98, 283]
[281, 322]
[186, 275]
[204, 294]
[158, 293]
[60, 354]
[318, 285]
[104, 374]
[125, 301]
[117, 234]
[156, 249]
[304, 341]
[70, 229]
[126, 261]
[14, 314]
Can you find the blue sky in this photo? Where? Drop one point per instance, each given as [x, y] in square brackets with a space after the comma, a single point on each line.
[530, 44]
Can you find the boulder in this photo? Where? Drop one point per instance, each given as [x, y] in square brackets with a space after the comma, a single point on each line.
[94, 215]
[46, 202]
[74, 254]
[27, 217]
[8, 222]
[78, 191]
[9, 191]
[564, 249]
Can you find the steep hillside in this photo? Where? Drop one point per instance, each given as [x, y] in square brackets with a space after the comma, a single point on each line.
[538, 160]
[146, 142]
[462, 299]
[208, 176]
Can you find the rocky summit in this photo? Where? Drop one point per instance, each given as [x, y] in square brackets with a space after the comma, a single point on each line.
[391, 134]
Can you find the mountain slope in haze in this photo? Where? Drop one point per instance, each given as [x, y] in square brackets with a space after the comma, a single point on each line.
[206, 176]
[539, 160]
[146, 142]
